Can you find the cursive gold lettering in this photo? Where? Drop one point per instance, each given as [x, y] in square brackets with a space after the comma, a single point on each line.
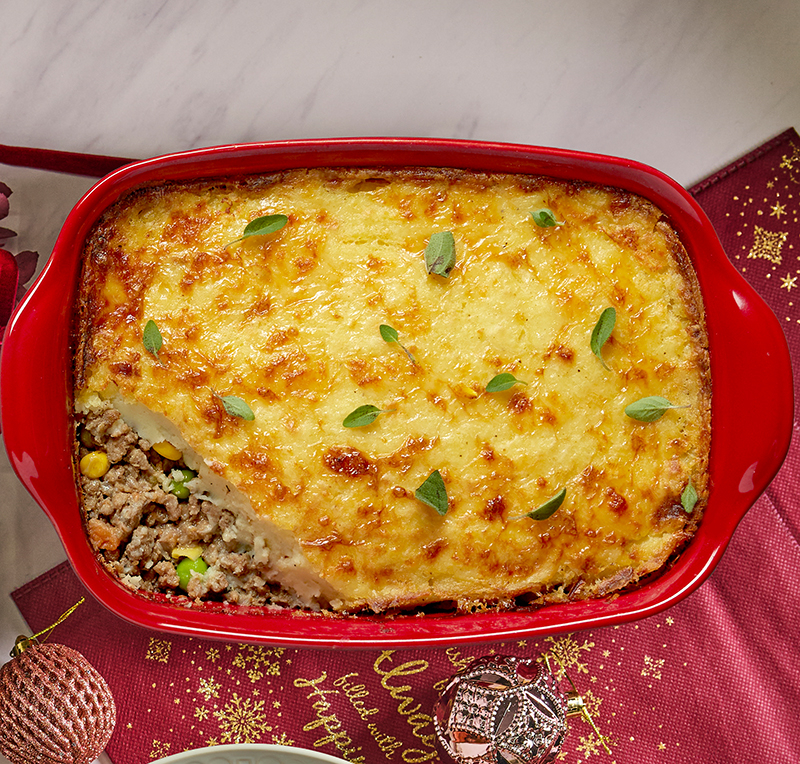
[355, 693]
[454, 656]
[329, 722]
[387, 743]
[418, 722]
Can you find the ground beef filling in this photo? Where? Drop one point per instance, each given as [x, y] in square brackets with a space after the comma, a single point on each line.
[135, 522]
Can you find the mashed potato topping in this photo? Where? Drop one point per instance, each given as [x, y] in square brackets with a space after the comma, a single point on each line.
[288, 324]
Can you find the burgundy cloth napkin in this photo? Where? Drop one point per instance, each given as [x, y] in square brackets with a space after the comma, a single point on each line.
[713, 680]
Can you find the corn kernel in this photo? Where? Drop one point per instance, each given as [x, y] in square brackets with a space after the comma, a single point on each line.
[192, 552]
[94, 465]
[167, 450]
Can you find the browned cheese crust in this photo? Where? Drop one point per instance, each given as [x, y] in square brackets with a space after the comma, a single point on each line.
[289, 323]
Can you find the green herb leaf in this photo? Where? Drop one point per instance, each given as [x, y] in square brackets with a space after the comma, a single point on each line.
[548, 508]
[689, 497]
[237, 407]
[440, 254]
[363, 416]
[263, 226]
[650, 409]
[602, 331]
[390, 335]
[503, 382]
[151, 338]
[544, 218]
[433, 493]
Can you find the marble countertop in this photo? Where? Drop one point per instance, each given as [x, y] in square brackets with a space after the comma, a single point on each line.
[685, 86]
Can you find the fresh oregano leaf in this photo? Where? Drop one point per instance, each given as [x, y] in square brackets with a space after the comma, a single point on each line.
[363, 416]
[602, 332]
[440, 254]
[544, 218]
[236, 407]
[151, 338]
[503, 382]
[650, 409]
[390, 335]
[263, 226]
[544, 511]
[433, 493]
[689, 497]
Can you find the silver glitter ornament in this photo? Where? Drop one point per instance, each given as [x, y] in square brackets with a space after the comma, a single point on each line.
[503, 710]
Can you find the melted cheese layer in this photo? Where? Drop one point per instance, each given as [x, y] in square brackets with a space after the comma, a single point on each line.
[289, 322]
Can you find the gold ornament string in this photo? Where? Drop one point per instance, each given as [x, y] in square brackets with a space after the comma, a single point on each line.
[576, 703]
[22, 643]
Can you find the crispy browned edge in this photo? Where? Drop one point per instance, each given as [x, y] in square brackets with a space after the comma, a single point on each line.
[691, 296]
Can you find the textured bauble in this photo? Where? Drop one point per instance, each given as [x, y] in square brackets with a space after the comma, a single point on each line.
[502, 709]
[55, 708]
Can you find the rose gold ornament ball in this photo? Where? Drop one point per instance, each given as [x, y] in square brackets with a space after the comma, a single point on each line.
[502, 708]
[55, 708]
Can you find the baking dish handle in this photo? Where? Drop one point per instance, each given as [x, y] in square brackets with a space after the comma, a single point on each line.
[754, 387]
[34, 395]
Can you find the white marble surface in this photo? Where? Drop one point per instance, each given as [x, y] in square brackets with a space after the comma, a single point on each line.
[685, 85]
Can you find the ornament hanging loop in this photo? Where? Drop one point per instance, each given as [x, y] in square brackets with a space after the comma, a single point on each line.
[22, 642]
[575, 705]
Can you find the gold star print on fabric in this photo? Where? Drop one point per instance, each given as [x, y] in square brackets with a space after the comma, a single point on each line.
[283, 739]
[767, 244]
[762, 216]
[590, 745]
[232, 693]
[567, 653]
[242, 720]
[209, 689]
[158, 650]
[777, 210]
[159, 749]
[258, 661]
[652, 667]
[201, 713]
[791, 162]
[592, 703]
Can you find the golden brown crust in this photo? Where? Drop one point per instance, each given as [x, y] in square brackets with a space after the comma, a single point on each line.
[289, 322]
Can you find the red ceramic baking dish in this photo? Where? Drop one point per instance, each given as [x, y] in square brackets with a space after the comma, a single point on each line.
[751, 413]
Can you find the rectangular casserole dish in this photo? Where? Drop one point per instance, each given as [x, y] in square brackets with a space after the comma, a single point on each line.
[750, 368]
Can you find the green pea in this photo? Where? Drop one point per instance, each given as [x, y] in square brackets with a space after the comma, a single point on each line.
[179, 490]
[185, 568]
[178, 487]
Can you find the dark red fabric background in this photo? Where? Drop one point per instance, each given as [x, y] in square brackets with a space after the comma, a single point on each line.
[713, 680]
